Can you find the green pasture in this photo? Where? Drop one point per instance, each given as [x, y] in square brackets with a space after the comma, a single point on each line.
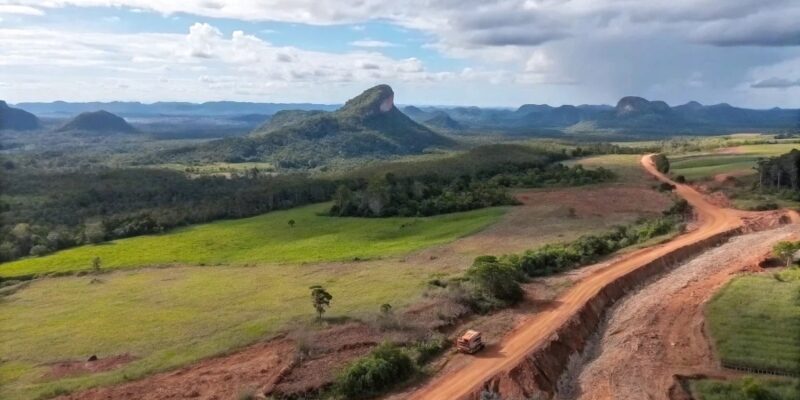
[739, 161]
[168, 317]
[266, 239]
[755, 322]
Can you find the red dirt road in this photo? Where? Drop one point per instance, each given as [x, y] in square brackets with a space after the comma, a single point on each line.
[460, 384]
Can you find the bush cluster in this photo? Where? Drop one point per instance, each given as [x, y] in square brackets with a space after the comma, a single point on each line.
[375, 373]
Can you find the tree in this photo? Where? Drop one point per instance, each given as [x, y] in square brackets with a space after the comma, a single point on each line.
[320, 299]
[661, 162]
[386, 309]
[95, 232]
[496, 279]
[785, 250]
[291, 223]
[97, 264]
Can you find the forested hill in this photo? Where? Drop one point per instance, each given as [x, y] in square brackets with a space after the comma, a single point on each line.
[97, 122]
[368, 125]
[16, 119]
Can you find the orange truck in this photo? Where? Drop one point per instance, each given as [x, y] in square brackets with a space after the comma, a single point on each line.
[470, 342]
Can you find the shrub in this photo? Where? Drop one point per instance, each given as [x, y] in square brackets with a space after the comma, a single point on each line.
[765, 206]
[666, 187]
[375, 373]
[680, 179]
[39, 250]
[662, 163]
[496, 281]
[430, 348]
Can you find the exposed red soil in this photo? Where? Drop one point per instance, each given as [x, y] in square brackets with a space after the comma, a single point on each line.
[218, 378]
[658, 334]
[73, 368]
[599, 200]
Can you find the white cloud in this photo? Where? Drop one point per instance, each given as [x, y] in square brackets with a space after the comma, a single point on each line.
[20, 10]
[369, 43]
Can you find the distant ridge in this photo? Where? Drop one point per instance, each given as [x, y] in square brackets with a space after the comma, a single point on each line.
[97, 122]
[16, 119]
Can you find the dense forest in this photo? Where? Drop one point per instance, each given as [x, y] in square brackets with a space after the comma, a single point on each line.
[433, 194]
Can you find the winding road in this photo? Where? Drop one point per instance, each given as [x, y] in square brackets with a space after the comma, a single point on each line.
[460, 384]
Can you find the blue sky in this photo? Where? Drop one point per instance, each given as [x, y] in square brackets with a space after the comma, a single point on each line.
[445, 52]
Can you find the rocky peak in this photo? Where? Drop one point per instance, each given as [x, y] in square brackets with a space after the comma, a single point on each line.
[376, 100]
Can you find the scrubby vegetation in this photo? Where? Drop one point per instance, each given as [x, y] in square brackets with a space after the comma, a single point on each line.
[495, 282]
[554, 258]
[747, 389]
[386, 366]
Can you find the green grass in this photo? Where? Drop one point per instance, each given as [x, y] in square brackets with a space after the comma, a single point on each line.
[696, 166]
[266, 239]
[707, 166]
[746, 389]
[169, 317]
[755, 322]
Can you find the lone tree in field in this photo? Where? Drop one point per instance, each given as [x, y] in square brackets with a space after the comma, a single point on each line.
[785, 250]
[97, 264]
[291, 223]
[320, 299]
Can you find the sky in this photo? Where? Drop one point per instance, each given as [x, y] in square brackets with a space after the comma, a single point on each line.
[432, 52]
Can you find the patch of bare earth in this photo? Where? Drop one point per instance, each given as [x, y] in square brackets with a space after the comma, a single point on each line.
[64, 369]
[658, 333]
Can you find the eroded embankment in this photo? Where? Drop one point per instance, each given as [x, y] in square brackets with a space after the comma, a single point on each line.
[538, 373]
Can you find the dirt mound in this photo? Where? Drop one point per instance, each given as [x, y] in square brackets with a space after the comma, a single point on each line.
[92, 365]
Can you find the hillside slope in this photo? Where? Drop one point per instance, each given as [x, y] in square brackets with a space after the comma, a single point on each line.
[368, 125]
[97, 122]
[16, 119]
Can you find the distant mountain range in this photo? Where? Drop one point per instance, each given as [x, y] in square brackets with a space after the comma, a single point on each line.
[631, 115]
[16, 119]
[368, 125]
[61, 109]
[97, 122]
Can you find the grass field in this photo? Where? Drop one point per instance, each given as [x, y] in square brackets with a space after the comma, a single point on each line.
[747, 389]
[168, 317]
[266, 239]
[755, 322]
[707, 165]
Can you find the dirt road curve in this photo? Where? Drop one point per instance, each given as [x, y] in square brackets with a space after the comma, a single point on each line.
[535, 332]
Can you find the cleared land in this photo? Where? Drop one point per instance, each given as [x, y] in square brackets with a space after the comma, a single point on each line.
[266, 238]
[755, 322]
